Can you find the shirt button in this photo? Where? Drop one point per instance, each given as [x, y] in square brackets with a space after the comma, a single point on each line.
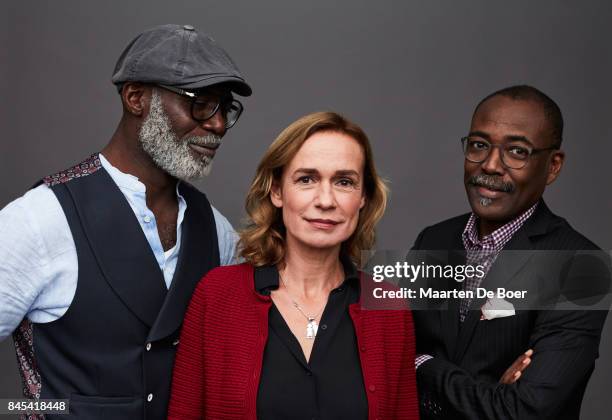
[147, 219]
[148, 346]
[188, 28]
[150, 397]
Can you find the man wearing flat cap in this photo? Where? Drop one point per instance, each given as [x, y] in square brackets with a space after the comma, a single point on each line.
[100, 260]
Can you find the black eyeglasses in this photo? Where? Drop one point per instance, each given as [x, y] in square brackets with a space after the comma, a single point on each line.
[205, 105]
[513, 155]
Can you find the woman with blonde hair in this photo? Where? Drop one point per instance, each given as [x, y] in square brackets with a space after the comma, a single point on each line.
[283, 335]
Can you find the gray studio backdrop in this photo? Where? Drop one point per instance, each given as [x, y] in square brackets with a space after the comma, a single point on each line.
[409, 72]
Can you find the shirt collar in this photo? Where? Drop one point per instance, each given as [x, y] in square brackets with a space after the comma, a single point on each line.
[266, 277]
[128, 181]
[498, 238]
[123, 180]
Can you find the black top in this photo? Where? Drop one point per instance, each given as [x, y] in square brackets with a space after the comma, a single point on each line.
[330, 385]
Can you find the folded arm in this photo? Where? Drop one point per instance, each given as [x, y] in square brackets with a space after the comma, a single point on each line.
[565, 345]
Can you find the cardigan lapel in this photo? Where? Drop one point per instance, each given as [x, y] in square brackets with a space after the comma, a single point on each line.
[355, 312]
[261, 305]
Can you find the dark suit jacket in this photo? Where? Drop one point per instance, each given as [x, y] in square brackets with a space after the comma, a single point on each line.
[462, 380]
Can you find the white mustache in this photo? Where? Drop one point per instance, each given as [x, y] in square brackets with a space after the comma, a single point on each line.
[209, 140]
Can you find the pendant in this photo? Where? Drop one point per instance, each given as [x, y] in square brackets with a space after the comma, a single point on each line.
[311, 329]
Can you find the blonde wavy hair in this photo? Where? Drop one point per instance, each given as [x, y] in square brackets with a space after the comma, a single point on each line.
[262, 241]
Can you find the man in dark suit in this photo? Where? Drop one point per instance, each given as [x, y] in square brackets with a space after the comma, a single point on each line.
[467, 365]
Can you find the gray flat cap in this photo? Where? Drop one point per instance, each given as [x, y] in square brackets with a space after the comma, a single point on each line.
[180, 56]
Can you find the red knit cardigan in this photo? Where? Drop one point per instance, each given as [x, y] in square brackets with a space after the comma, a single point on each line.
[218, 364]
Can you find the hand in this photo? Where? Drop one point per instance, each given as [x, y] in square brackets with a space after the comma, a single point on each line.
[514, 372]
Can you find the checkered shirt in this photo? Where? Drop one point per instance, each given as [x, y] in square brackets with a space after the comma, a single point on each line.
[484, 251]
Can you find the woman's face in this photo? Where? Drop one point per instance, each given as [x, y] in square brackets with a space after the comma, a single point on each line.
[321, 191]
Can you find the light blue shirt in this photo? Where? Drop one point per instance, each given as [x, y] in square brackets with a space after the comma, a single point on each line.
[38, 259]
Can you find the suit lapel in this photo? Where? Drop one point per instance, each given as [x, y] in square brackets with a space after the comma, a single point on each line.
[199, 252]
[449, 321]
[504, 269]
[449, 315]
[119, 245]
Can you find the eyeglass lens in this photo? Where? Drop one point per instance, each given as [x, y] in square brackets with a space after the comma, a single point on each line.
[204, 108]
[514, 156]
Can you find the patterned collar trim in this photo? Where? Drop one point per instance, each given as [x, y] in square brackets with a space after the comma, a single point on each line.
[87, 167]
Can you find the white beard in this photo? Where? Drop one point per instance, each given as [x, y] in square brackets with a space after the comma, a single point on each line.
[171, 154]
[485, 201]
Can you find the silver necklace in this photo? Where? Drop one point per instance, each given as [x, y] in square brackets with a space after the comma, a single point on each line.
[312, 327]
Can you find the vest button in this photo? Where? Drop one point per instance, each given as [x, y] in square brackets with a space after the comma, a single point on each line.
[175, 342]
[150, 397]
[148, 346]
[372, 388]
